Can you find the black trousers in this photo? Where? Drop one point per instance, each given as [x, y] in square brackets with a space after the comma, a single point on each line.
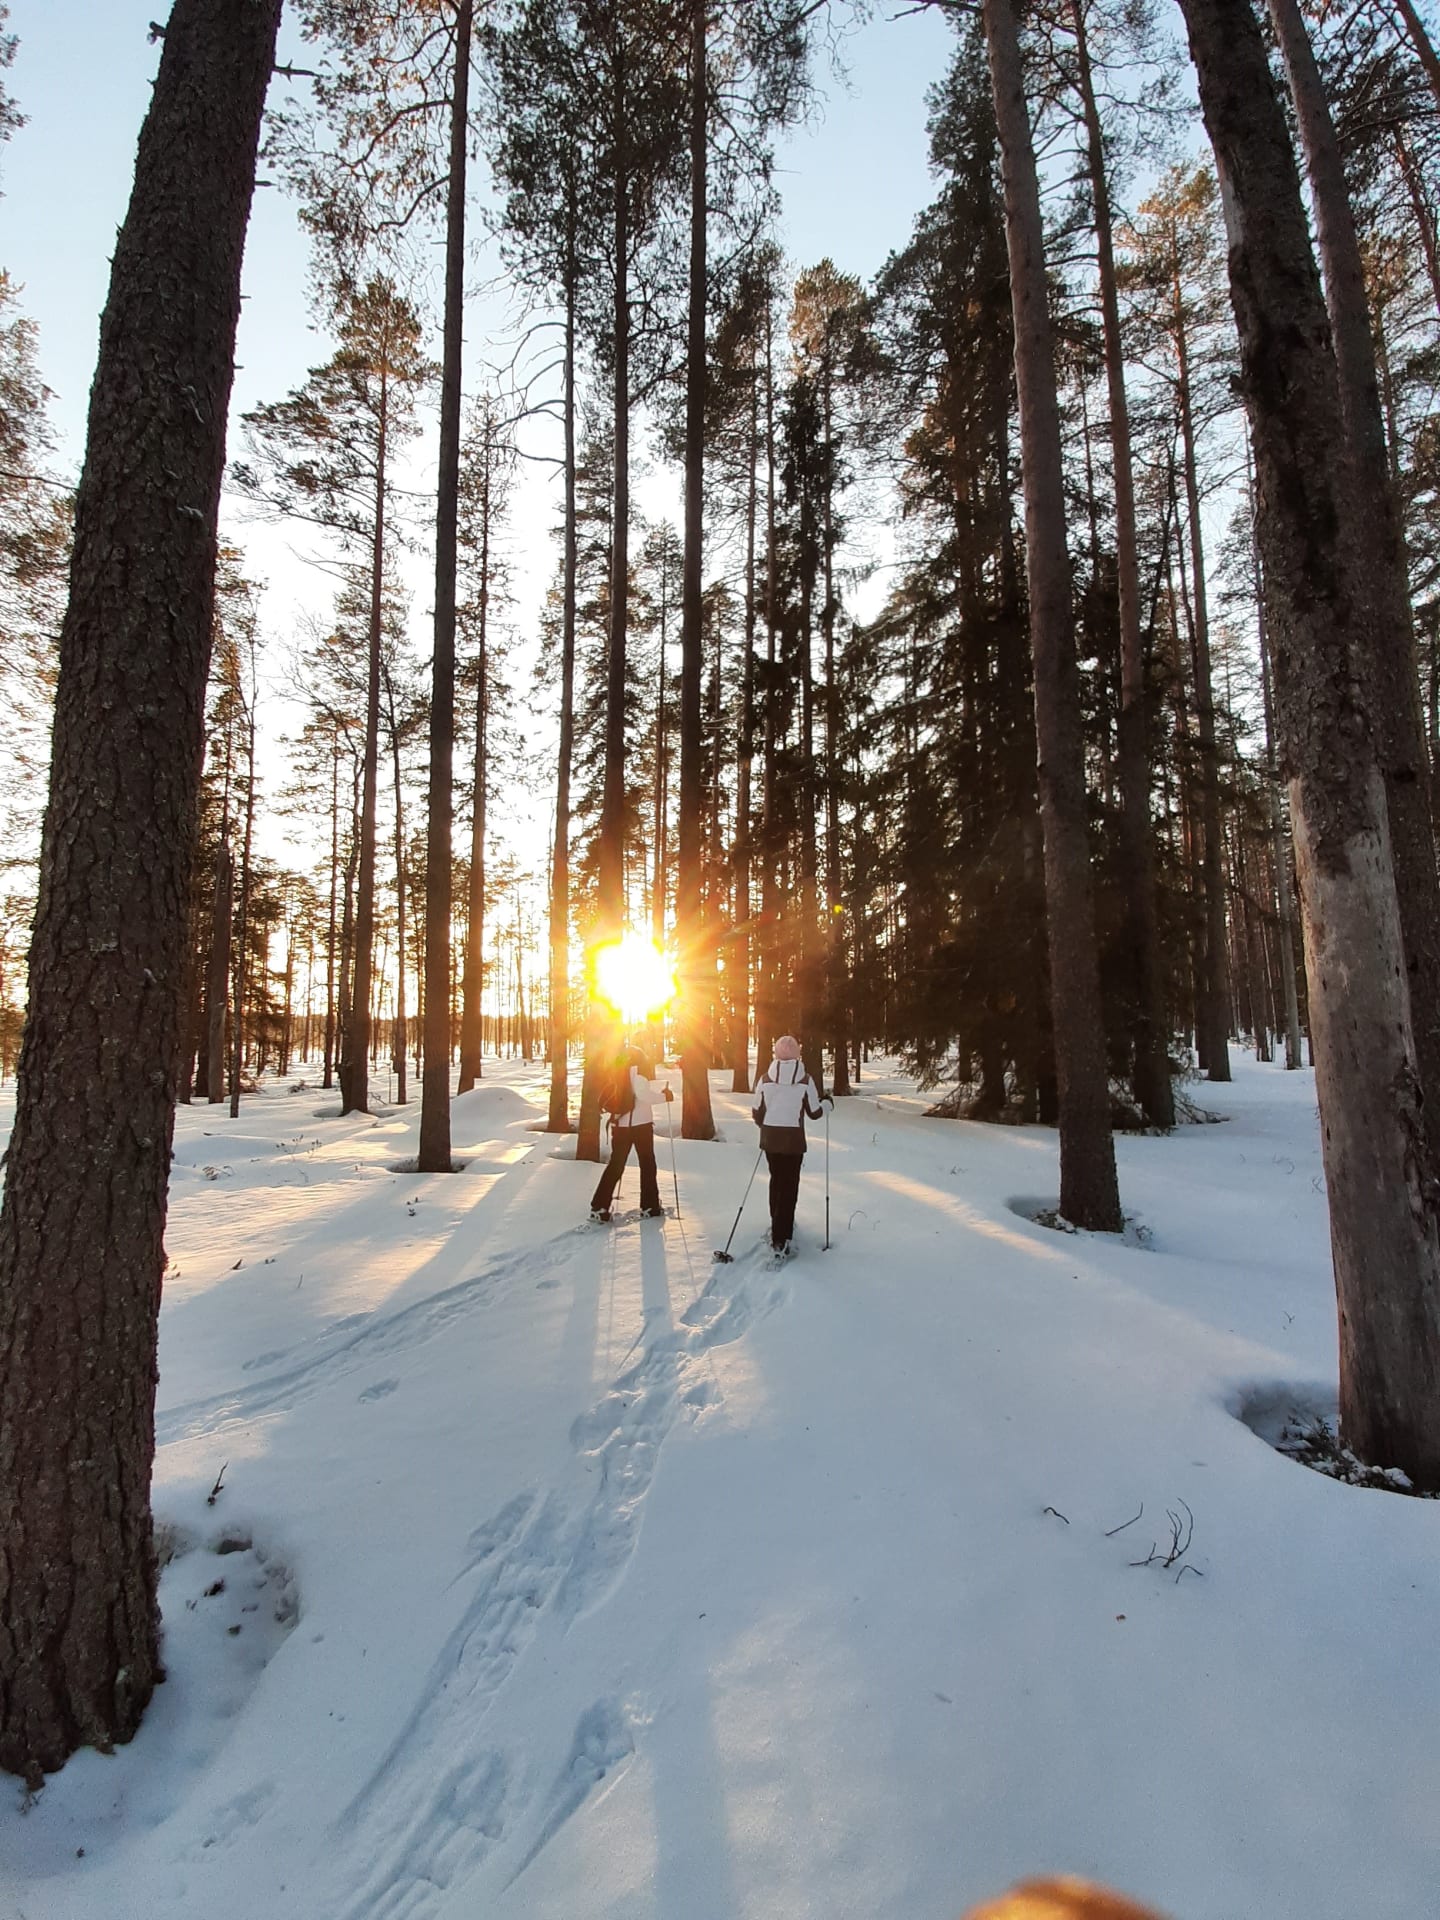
[784, 1192]
[621, 1141]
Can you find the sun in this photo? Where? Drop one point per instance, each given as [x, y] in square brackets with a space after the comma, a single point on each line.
[634, 976]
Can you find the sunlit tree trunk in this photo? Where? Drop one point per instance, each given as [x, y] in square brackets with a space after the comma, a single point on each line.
[1392, 673]
[1378, 1163]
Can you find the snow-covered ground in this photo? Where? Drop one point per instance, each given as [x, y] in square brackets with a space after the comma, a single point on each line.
[558, 1571]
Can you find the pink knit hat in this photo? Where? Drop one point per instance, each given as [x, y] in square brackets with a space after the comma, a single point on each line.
[787, 1047]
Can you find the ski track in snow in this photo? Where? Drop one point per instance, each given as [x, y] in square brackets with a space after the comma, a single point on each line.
[369, 1337]
[550, 1556]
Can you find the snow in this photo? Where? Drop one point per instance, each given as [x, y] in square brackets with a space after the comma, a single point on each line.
[577, 1575]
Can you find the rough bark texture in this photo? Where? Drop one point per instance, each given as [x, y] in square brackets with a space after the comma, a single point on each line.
[1279, 841]
[1151, 1069]
[434, 1145]
[1392, 675]
[1378, 1165]
[83, 1218]
[697, 966]
[1089, 1194]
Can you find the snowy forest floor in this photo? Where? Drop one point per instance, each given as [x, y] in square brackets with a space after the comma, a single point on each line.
[558, 1571]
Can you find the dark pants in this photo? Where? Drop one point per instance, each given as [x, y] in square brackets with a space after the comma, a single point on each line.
[784, 1192]
[621, 1141]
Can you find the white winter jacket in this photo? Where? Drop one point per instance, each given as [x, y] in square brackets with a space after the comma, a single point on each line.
[783, 1097]
[644, 1094]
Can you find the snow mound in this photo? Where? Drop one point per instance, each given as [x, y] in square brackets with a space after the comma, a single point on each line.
[1302, 1422]
[227, 1606]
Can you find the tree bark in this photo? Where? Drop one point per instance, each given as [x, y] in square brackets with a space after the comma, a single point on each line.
[1089, 1193]
[745, 754]
[1213, 1011]
[1420, 40]
[610, 866]
[1378, 1163]
[83, 1216]
[242, 925]
[696, 958]
[837, 981]
[1151, 1068]
[1279, 838]
[1392, 674]
[472, 980]
[331, 998]
[355, 1052]
[217, 979]
[558, 1119]
[434, 1144]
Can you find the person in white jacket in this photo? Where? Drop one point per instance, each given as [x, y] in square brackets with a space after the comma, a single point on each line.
[783, 1096]
[632, 1124]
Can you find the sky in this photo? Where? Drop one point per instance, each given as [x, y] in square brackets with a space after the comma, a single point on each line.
[852, 181]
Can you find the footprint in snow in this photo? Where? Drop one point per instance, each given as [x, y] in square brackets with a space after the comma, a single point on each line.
[379, 1390]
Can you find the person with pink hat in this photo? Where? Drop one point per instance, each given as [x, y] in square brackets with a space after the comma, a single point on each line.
[784, 1095]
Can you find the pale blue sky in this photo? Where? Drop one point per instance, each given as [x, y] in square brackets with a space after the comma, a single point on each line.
[852, 183]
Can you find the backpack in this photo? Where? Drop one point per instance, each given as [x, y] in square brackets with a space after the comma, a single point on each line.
[617, 1096]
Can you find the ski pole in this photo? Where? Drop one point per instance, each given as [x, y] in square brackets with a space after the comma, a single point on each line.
[725, 1256]
[826, 1247]
[674, 1173]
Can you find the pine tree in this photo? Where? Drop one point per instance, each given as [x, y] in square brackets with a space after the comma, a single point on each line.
[82, 1220]
[325, 454]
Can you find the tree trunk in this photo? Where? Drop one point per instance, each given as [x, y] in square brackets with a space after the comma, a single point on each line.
[217, 979]
[331, 995]
[1213, 1012]
[661, 797]
[1420, 40]
[434, 1145]
[398, 1035]
[355, 1054]
[740, 949]
[1424, 217]
[1392, 674]
[610, 866]
[696, 957]
[558, 1119]
[242, 929]
[83, 1216]
[1089, 1194]
[1279, 838]
[1151, 1071]
[837, 982]
[472, 980]
[767, 956]
[1378, 1164]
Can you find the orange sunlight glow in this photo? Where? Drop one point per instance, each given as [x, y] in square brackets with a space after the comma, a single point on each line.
[634, 976]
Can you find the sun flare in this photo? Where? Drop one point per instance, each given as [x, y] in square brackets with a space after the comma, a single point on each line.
[634, 976]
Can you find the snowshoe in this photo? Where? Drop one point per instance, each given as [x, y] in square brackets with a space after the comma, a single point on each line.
[652, 1213]
[600, 1216]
